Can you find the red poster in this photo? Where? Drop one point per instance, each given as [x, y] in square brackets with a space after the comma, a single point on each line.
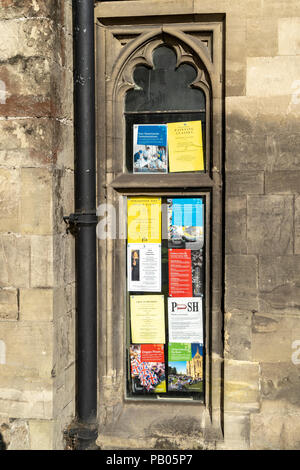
[152, 353]
[180, 273]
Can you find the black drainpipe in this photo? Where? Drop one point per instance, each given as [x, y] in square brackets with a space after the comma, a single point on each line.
[83, 225]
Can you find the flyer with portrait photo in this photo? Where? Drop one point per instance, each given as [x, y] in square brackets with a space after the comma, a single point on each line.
[144, 267]
[150, 148]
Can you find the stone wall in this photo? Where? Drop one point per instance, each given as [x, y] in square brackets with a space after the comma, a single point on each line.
[262, 295]
[262, 220]
[36, 255]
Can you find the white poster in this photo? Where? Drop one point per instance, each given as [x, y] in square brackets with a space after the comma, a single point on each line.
[144, 267]
[185, 320]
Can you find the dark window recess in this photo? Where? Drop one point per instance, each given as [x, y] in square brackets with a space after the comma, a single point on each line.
[162, 95]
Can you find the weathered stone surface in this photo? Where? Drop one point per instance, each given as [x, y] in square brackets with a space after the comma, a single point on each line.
[27, 38]
[236, 431]
[41, 258]
[14, 261]
[297, 225]
[28, 349]
[19, 435]
[9, 304]
[262, 37]
[241, 386]
[41, 435]
[27, 142]
[236, 58]
[29, 96]
[288, 36]
[275, 431]
[281, 381]
[239, 183]
[262, 134]
[36, 304]
[270, 224]
[30, 8]
[65, 345]
[9, 200]
[273, 336]
[241, 283]
[235, 233]
[268, 76]
[279, 284]
[26, 397]
[282, 182]
[238, 329]
[36, 201]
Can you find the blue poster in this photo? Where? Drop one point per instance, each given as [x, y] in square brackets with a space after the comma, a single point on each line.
[187, 212]
[152, 135]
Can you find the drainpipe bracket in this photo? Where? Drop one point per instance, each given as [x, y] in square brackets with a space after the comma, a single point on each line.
[74, 221]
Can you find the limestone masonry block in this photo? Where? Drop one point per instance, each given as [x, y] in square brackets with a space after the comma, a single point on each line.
[275, 432]
[27, 142]
[241, 385]
[239, 183]
[241, 283]
[279, 284]
[262, 37]
[283, 182]
[9, 304]
[36, 201]
[41, 274]
[238, 327]
[14, 261]
[41, 435]
[270, 224]
[36, 304]
[271, 329]
[26, 38]
[269, 76]
[9, 200]
[297, 225]
[289, 36]
[236, 242]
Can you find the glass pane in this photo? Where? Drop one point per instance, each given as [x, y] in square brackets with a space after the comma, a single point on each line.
[174, 367]
[164, 88]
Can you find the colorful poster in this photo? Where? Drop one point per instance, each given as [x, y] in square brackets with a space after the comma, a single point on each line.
[187, 375]
[185, 320]
[150, 148]
[144, 267]
[152, 353]
[180, 273]
[179, 351]
[144, 220]
[185, 146]
[147, 368]
[185, 223]
[147, 319]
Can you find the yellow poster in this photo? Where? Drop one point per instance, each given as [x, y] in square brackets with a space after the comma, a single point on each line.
[185, 146]
[144, 219]
[147, 319]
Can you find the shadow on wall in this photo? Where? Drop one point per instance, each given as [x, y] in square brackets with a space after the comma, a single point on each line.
[2, 443]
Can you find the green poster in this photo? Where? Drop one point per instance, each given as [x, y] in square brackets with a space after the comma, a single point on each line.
[180, 352]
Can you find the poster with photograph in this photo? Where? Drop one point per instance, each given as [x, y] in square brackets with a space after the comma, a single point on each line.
[185, 223]
[144, 267]
[185, 368]
[147, 365]
[185, 319]
[150, 148]
[185, 146]
[147, 314]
